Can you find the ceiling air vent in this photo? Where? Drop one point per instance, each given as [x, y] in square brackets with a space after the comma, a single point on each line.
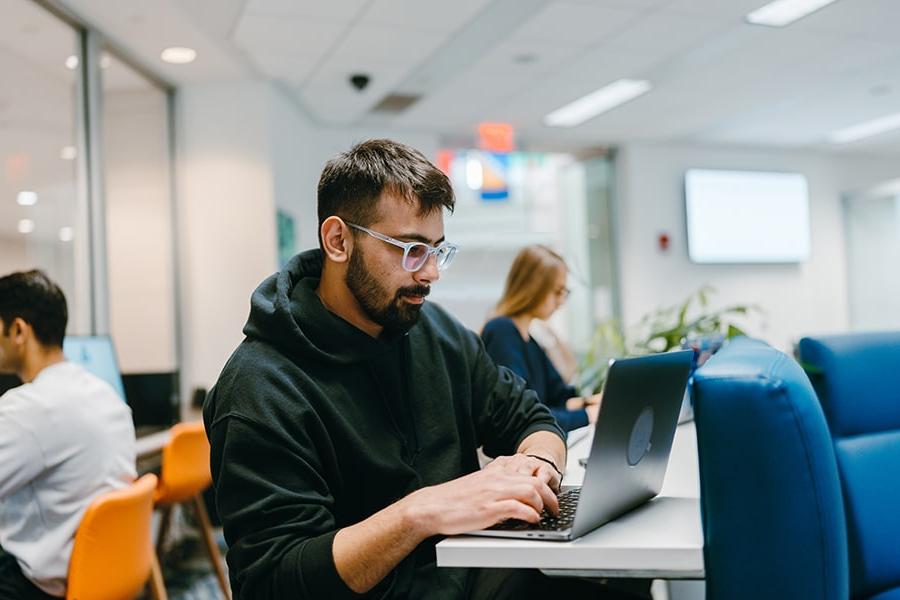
[395, 103]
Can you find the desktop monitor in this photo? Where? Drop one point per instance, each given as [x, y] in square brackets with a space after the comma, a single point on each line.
[96, 354]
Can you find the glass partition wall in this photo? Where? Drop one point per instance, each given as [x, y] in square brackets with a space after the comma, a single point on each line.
[85, 188]
[505, 202]
[43, 207]
[138, 217]
[872, 220]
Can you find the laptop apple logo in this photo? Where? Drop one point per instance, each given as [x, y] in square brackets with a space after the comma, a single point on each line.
[639, 441]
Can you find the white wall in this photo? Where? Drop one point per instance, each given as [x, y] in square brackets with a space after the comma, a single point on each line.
[139, 234]
[226, 218]
[292, 150]
[798, 299]
[13, 255]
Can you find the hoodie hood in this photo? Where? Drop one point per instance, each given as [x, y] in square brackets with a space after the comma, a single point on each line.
[286, 312]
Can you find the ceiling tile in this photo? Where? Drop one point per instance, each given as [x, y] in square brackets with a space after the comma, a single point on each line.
[366, 42]
[291, 68]
[289, 35]
[734, 9]
[642, 5]
[865, 19]
[580, 24]
[417, 15]
[666, 34]
[332, 9]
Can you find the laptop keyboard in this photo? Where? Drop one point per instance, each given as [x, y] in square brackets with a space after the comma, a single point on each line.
[568, 501]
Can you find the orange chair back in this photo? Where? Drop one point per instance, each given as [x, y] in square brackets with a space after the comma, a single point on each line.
[113, 548]
[185, 464]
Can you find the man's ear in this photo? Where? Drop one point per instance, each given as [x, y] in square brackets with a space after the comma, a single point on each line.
[18, 330]
[337, 241]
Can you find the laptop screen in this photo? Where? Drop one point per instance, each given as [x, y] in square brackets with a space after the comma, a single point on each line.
[96, 354]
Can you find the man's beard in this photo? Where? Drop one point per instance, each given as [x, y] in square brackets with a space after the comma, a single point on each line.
[391, 312]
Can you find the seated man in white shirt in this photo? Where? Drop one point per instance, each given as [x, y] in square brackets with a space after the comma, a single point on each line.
[65, 438]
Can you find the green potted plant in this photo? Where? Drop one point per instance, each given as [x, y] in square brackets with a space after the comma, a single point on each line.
[688, 324]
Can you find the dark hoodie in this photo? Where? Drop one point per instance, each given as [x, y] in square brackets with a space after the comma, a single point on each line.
[315, 426]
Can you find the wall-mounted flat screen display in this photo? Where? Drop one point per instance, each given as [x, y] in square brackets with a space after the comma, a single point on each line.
[746, 216]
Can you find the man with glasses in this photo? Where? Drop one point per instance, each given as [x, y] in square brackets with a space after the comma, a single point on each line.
[344, 428]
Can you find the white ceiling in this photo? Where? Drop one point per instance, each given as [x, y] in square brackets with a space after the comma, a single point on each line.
[716, 78]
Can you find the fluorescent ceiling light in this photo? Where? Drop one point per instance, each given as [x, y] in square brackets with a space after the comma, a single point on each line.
[597, 102]
[784, 12]
[26, 198]
[26, 226]
[68, 153]
[72, 62]
[66, 234]
[178, 55]
[865, 130]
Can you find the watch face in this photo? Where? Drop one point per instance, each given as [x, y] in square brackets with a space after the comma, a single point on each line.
[641, 434]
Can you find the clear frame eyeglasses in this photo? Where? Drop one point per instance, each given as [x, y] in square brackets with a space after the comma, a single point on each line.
[415, 254]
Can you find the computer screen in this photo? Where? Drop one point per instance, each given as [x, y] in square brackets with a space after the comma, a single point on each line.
[746, 216]
[97, 355]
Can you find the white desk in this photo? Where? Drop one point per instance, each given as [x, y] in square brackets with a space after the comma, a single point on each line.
[660, 540]
[149, 445]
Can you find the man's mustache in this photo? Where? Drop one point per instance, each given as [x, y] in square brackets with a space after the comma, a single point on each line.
[414, 290]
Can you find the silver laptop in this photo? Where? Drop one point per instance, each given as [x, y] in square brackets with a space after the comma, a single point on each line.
[629, 453]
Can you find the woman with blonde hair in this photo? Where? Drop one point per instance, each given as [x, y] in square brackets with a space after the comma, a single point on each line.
[535, 289]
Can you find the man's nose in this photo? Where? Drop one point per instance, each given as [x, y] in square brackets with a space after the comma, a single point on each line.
[429, 273]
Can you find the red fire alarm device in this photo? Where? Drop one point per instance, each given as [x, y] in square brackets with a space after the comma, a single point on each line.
[663, 241]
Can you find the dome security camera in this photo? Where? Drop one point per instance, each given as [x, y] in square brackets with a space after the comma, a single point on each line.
[359, 81]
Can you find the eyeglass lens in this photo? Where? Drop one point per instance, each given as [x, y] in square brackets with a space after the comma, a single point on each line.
[417, 254]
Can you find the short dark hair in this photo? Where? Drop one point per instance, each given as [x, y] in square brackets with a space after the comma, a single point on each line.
[33, 297]
[353, 181]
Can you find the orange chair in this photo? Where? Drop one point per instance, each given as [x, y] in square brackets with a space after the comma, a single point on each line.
[113, 551]
[184, 475]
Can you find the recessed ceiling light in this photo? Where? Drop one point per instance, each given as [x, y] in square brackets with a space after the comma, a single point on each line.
[26, 226]
[178, 55]
[66, 234]
[784, 12]
[597, 102]
[68, 153]
[72, 62]
[865, 130]
[26, 198]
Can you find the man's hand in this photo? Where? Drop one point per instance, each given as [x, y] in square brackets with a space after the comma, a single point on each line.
[511, 489]
[528, 465]
[591, 404]
[584, 401]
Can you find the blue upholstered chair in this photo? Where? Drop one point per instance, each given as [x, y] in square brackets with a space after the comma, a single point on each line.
[857, 378]
[773, 517]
